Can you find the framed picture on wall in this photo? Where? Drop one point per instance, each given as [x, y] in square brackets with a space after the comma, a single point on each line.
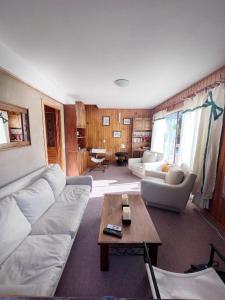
[117, 134]
[105, 120]
[126, 121]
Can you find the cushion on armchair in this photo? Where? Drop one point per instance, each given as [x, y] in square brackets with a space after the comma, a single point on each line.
[174, 176]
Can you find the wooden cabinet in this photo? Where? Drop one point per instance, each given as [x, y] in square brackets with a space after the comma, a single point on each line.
[71, 140]
[82, 158]
[76, 153]
[81, 115]
[141, 136]
[142, 124]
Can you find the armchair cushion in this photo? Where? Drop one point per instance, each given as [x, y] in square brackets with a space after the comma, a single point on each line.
[174, 176]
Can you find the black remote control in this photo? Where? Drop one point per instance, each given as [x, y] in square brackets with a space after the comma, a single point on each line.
[112, 232]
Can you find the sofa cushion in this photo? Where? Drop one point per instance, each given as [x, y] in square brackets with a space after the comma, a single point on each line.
[14, 227]
[35, 199]
[55, 178]
[174, 176]
[65, 215]
[149, 157]
[34, 268]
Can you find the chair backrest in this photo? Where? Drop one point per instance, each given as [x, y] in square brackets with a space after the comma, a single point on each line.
[98, 151]
[158, 156]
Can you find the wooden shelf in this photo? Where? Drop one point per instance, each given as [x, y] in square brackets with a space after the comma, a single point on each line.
[141, 136]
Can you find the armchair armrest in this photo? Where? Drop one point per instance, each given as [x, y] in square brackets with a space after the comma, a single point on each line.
[173, 197]
[79, 180]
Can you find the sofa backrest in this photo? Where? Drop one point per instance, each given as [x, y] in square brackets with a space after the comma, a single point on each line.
[21, 182]
[157, 155]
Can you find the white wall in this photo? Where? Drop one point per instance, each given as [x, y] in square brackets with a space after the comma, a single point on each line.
[17, 162]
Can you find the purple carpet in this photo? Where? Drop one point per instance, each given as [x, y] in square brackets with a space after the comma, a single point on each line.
[185, 239]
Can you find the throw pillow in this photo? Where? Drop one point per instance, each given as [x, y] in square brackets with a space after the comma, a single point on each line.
[55, 178]
[165, 167]
[14, 227]
[174, 176]
[35, 199]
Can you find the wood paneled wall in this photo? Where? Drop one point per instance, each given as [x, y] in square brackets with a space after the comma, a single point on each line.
[177, 100]
[99, 136]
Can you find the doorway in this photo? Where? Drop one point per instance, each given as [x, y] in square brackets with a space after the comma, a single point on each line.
[53, 135]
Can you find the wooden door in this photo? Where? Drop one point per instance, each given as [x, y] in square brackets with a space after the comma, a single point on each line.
[217, 209]
[52, 134]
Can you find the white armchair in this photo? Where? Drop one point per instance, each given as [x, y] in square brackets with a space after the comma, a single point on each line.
[150, 161]
[157, 192]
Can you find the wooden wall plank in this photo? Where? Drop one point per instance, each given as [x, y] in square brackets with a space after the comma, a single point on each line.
[99, 136]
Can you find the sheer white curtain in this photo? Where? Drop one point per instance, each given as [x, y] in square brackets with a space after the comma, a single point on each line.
[158, 135]
[4, 130]
[188, 137]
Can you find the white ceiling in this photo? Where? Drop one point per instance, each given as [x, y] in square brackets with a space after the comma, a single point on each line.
[161, 46]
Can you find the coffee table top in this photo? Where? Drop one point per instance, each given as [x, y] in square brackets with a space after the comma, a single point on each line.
[141, 228]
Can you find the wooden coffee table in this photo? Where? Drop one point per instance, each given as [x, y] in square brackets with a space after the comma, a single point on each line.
[140, 230]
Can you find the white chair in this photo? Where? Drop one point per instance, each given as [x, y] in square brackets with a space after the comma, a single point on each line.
[150, 161]
[157, 192]
[98, 161]
[205, 284]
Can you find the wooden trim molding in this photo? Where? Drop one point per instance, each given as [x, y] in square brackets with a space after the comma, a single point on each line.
[12, 107]
[177, 100]
[14, 145]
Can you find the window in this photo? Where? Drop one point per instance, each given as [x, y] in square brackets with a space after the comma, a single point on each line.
[176, 137]
[164, 137]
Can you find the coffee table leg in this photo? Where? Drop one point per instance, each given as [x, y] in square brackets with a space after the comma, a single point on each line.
[104, 257]
[153, 251]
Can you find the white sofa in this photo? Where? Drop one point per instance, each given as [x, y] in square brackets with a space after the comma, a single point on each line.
[157, 189]
[150, 161]
[39, 217]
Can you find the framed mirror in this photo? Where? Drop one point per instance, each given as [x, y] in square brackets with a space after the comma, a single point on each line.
[14, 126]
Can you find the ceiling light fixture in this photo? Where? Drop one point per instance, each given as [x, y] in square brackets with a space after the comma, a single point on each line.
[122, 82]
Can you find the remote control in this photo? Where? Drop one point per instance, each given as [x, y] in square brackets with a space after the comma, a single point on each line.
[114, 227]
[112, 232]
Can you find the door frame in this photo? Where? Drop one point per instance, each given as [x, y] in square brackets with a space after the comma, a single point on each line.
[60, 117]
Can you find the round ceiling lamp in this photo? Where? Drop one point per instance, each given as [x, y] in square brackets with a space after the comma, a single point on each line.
[122, 82]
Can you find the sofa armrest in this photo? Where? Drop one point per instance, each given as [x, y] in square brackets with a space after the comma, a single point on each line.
[133, 161]
[79, 180]
[156, 174]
